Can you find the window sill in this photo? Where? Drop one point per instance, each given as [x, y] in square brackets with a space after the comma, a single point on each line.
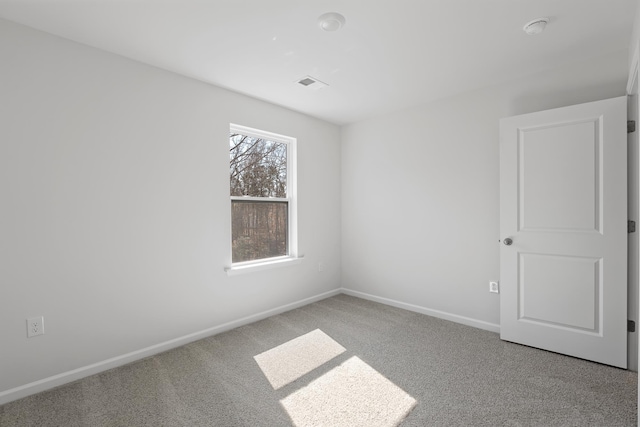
[262, 265]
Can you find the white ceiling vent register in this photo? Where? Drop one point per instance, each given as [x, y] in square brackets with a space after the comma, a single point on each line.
[311, 83]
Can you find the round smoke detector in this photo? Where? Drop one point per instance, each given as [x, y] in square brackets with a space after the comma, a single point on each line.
[331, 21]
[536, 26]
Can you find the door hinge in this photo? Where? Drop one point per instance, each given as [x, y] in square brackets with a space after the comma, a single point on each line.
[631, 126]
[631, 326]
[631, 226]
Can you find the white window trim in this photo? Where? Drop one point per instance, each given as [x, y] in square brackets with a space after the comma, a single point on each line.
[261, 265]
[292, 235]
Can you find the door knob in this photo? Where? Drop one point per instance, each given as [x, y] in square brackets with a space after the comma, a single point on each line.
[507, 241]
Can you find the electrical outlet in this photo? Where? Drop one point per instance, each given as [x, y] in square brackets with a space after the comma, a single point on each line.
[321, 266]
[35, 326]
[494, 287]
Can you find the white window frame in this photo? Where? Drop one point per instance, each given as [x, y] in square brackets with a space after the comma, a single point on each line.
[292, 215]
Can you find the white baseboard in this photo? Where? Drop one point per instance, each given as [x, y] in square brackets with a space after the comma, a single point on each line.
[85, 371]
[480, 324]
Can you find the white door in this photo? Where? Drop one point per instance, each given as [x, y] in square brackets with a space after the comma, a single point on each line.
[563, 225]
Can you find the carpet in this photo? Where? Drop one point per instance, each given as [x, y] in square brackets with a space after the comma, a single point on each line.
[297, 357]
[350, 395]
[458, 375]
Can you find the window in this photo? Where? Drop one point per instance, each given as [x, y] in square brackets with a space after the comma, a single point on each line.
[262, 184]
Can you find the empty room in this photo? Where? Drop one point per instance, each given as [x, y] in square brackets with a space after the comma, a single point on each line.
[319, 213]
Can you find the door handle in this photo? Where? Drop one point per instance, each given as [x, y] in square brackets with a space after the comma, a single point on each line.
[507, 241]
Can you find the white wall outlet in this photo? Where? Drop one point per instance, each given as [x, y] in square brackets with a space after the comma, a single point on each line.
[494, 287]
[35, 326]
[321, 266]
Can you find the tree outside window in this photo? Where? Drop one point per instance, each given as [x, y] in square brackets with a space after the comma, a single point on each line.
[260, 195]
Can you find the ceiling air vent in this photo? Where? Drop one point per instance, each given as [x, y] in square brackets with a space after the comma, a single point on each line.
[311, 83]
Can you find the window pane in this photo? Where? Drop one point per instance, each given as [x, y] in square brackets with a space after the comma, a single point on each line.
[258, 166]
[259, 230]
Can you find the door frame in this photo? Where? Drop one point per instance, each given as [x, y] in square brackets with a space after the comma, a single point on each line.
[633, 203]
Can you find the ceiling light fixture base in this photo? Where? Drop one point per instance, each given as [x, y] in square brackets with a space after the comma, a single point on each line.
[536, 26]
[331, 21]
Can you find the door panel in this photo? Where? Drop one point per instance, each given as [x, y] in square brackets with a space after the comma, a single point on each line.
[563, 205]
[551, 198]
[572, 281]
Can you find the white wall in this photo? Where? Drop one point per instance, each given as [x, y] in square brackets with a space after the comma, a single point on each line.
[420, 196]
[115, 207]
[635, 34]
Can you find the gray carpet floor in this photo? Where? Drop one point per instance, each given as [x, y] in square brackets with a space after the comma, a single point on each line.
[459, 376]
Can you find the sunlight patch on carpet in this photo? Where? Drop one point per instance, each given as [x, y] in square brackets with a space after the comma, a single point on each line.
[293, 359]
[352, 394]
